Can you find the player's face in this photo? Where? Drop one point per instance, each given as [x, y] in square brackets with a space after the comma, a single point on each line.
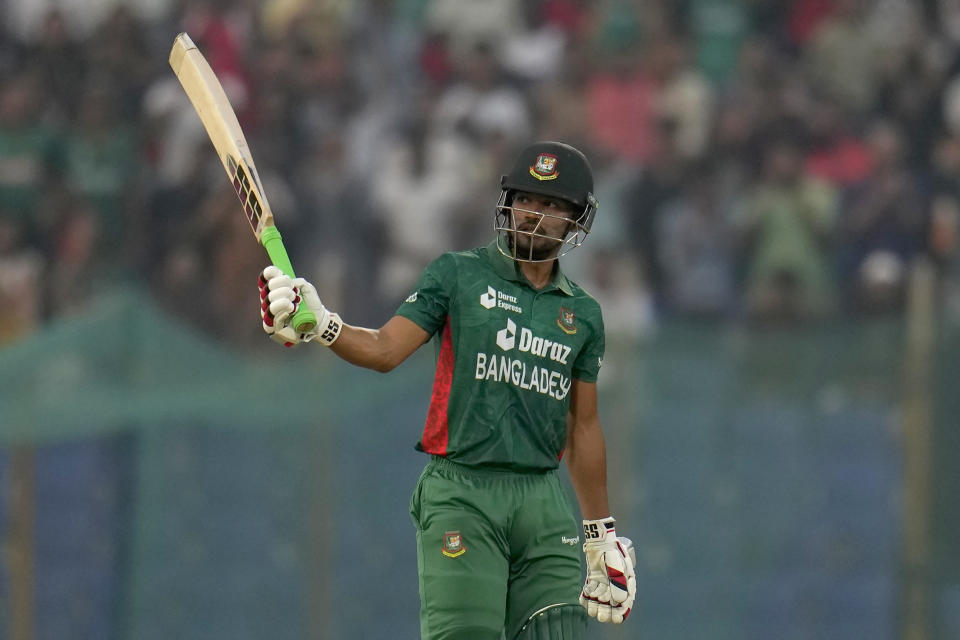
[540, 224]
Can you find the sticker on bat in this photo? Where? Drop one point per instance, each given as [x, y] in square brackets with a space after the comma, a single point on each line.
[248, 198]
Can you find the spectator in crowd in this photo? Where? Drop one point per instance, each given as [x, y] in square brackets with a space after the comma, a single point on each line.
[317, 21]
[21, 288]
[883, 225]
[732, 152]
[945, 200]
[718, 29]
[420, 178]
[344, 244]
[31, 157]
[804, 18]
[571, 16]
[684, 97]
[944, 236]
[102, 166]
[751, 102]
[74, 272]
[560, 105]
[836, 153]
[842, 57]
[481, 102]
[122, 61]
[695, 248]
[58, 60]
[659, 182]
[621, 105]
[784, 229]
[465, 28]
[910, 93]
[536, 53]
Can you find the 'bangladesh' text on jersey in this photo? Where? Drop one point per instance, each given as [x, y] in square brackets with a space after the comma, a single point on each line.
[508, 356]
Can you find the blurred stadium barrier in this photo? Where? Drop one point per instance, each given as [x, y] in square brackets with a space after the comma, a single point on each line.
[763, 483]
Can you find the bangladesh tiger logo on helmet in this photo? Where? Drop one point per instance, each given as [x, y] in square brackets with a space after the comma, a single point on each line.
[545, 168]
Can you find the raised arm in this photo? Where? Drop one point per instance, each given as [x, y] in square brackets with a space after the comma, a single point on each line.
[378, 349]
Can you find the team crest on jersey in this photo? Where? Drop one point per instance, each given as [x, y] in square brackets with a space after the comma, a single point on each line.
[545, 167]
[453, 544]
[566, 321]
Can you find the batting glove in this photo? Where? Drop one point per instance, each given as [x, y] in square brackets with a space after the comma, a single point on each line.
[611, 582]
[281, 296]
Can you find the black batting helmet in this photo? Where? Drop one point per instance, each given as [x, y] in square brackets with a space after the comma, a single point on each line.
[551, 169]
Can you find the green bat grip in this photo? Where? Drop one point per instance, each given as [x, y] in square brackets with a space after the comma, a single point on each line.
[303, 320]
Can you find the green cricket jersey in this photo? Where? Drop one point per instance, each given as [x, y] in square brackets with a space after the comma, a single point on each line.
[508, 356]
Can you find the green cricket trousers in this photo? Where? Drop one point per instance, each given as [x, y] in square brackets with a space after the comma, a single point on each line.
[493, 547]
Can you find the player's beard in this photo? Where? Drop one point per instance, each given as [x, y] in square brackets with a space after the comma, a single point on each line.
[532, 247]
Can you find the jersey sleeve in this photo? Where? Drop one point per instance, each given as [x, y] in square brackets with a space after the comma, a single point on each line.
[587, 365]
[429, 302]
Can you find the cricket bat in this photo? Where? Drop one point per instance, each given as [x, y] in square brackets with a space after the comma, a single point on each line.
[212, 105]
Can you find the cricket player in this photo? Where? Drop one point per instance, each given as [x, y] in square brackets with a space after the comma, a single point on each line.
[520, 347]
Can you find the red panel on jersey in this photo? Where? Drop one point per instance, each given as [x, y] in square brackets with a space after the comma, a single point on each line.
[436, 433]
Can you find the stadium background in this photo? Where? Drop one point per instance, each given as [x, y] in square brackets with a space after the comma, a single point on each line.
[782, 433]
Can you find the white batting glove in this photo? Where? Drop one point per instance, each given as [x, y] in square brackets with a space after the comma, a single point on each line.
[281, 296]
[611, 583]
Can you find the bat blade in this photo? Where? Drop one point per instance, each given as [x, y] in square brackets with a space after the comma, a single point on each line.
[210, 102]
[216, 113]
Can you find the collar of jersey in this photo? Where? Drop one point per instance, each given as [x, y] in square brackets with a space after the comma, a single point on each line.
[509, 269]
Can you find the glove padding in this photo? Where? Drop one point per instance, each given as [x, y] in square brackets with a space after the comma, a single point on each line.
[280, 297]
[611, 584]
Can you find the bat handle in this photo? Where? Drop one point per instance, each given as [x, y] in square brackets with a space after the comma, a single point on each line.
[303, 320]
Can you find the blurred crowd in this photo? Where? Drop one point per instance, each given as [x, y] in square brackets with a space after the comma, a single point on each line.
[763, 161]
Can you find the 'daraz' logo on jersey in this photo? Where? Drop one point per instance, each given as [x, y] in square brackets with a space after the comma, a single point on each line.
[506, 338]
[522, 373]
[545, 167]
[529, 343]
[565, 321]
[493, 298]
